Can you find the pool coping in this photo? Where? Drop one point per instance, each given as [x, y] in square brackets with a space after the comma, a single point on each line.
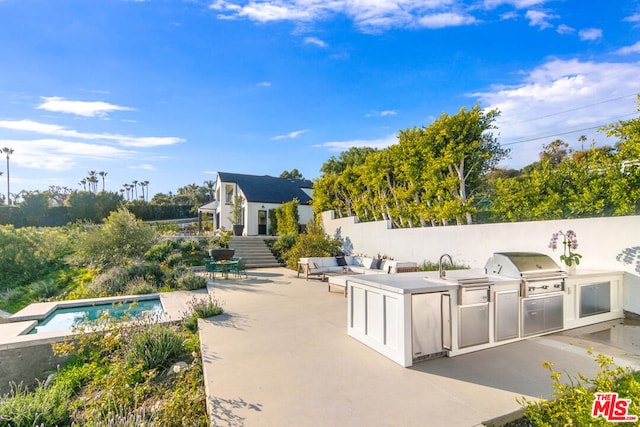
[14, 334]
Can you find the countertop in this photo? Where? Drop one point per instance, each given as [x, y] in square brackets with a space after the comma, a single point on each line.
[423, 281]
[587, 273]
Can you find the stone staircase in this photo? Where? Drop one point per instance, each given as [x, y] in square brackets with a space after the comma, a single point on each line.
[254, 250]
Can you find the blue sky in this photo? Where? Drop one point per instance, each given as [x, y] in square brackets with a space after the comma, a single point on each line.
[173, 91]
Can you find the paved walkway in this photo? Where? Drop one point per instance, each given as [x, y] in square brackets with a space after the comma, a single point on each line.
[281, 356]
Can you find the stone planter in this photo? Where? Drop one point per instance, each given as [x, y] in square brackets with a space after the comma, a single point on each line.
[238, 229]
[221, 254]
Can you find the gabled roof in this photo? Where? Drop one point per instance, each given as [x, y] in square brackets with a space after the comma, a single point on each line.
[269, 189]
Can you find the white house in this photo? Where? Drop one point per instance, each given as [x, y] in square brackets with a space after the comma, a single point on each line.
[259, 195]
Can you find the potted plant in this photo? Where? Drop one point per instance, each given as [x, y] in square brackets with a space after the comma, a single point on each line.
[236, 215]
[219, 245]
[570, 242]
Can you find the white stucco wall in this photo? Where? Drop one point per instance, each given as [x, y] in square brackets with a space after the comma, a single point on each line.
[605, 243]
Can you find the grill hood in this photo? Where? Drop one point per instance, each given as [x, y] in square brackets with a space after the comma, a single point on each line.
[529, 265]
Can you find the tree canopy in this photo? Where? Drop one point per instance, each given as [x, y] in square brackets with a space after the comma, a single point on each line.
[430, 177]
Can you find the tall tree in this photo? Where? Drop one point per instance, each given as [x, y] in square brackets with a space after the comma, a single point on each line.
[211, 188]
[145, 186]
[8, 152]
[92, 180]
[58, 194]
[135, 188]
[463, 149]
[293, 174]
[102, 174]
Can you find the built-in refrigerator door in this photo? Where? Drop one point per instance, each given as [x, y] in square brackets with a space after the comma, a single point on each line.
[426, 324]
[473, 325]
[507, 315]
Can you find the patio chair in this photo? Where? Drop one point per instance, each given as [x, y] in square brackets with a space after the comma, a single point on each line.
[211, 267]
[240, 267]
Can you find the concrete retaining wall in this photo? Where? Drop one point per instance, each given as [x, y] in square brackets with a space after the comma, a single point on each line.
[26, 362]
[605, 243]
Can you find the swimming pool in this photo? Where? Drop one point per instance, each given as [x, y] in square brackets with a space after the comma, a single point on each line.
[66, 318]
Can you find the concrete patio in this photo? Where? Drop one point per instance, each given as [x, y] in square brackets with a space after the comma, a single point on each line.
[280, 356]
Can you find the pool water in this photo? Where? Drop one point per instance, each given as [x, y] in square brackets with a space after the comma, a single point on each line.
[64, 319]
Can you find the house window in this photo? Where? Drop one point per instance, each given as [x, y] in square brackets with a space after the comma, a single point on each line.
[228, 194]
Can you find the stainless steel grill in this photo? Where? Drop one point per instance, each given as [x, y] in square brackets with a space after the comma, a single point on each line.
[541, 289]
[537, 272]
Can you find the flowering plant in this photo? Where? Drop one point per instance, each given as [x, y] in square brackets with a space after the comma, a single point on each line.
[570, 243]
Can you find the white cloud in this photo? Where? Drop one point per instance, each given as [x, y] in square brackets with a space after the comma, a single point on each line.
[264, 84]
[538, 18]
[290, 135]
[443, 20]
[60, 155]
[144, 166]
[590, 34]
[565, 29]
[383, 113]
[520, 4]
[315, 41]
[55, 130]
[374, 143]
[369, 15]
[80, 108]
[634, 48]
[558, 98]
[509, 15]
[633, 18]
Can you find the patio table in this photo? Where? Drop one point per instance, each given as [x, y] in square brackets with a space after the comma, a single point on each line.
[225, 266]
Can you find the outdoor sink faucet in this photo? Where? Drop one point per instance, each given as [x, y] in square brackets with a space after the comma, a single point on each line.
[440, 269]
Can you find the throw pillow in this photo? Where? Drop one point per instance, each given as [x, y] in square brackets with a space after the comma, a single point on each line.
[375, 264]
[341, 261]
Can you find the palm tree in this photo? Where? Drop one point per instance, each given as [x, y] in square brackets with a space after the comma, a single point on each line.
[135, 187]
[145, 185]
[92, 179]
[211, 187]
[8, 152]
[83, 182]
[126, 187]
[102, 174]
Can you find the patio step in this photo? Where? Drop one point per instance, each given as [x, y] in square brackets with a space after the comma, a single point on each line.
[254, 251]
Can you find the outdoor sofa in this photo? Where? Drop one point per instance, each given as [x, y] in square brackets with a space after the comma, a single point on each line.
[329, 266]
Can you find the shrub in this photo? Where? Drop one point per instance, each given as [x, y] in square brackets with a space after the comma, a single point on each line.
[121, 237]
[314, 243]
[201, 308]
[154, 346]
[47, 406]
[191, 282]
[173, 260]
[151, 271]
[139, 286]
[161, 250]
[44, 289]
[11, 299]
[287, 217]
[574, 401]
[190, 246]
[185, 404]
[285, 242]
[27, 253]
[434, 266]
[111, 282]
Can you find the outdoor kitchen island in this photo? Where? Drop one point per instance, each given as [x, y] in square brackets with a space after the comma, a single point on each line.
[411, 317]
